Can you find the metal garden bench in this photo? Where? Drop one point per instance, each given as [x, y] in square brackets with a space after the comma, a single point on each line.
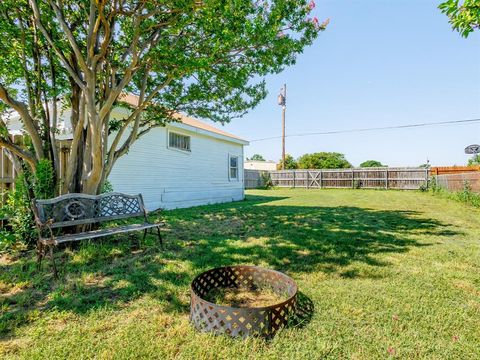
[81, 209]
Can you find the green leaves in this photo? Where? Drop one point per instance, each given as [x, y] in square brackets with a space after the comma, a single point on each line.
[256, 157]
[371, 163]
[203, 58]
[323, 160]
[290, 163]
[464, 16]
[215, 50]
[474, 160]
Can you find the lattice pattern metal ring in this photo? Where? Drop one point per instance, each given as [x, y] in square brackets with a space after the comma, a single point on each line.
[245, 321]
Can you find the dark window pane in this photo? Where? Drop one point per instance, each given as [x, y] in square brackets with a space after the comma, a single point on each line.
[178, 141]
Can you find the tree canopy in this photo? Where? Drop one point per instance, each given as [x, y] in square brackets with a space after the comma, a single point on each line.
[204, 58]
[371, 163]
[257, 157]
[474, 160]
[290, 163]
[464, 15]
[323, 160]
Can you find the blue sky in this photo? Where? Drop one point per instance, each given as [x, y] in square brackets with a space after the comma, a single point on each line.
[379, 63]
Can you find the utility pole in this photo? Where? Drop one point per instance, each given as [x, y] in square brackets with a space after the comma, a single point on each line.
[282, 101]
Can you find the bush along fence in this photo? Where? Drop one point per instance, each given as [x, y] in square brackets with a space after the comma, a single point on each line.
[255, 179]
[355, 178]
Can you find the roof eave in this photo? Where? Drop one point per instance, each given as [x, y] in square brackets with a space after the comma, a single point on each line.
[212, 134]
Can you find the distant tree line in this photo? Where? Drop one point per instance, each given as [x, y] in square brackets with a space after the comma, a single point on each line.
[323, 160]
[256, 157]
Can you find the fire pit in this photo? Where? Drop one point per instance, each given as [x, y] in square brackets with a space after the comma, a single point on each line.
[243, 320]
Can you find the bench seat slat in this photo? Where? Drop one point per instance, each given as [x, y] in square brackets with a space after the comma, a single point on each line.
[99, 233]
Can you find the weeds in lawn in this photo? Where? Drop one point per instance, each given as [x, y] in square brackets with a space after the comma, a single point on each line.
[466, 195]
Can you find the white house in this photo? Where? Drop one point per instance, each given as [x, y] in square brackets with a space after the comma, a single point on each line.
[183, 164]
[260, 165]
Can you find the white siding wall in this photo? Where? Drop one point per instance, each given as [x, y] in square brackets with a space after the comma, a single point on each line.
[169, 178]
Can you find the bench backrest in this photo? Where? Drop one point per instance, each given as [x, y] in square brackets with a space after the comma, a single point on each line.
[77, 209]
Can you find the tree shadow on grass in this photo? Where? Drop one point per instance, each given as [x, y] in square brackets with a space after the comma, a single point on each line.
[293, 239]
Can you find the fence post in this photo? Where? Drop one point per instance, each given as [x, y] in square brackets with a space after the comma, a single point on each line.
[353, 180]
[386, 179]
[308, 181]
[426, 178]
[294, 180]
[321, 179]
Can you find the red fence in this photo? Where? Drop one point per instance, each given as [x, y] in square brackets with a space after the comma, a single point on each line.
[442, 170]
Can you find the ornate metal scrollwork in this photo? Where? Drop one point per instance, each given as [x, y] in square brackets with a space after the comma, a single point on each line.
[75, 210]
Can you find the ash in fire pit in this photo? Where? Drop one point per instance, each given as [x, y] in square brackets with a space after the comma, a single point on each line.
[242, 301]
[244, 297]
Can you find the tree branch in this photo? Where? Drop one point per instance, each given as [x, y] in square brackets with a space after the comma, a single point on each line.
[28, 121]
[49, 39]
[68, 33]
[16, 149]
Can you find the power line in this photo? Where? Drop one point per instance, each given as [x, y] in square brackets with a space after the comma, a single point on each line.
[373, 129]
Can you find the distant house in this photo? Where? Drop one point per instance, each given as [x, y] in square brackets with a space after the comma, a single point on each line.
[259, 165]
[183, 164]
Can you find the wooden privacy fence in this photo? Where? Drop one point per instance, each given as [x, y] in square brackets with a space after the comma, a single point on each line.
[459, 182]
[254, 179]
[7, 170]
[355, 178]
[442, 170]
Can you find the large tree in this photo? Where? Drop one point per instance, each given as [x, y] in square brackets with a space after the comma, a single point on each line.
[371, 163]
[205, 58]
[323, 160]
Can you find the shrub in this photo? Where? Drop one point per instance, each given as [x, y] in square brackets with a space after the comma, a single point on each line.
[357, 184]
[44, 184]
[424, 187]
[266, 180]
[17, 207]
[107, 187]
[18, 211]
[466, 195]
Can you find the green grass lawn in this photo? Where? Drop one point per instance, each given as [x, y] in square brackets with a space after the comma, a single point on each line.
[391, 274]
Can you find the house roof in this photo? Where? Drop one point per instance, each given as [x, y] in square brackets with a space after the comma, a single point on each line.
[261, 161]
[132, 100]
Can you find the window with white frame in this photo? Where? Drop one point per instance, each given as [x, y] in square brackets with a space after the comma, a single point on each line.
[233, 167]
[178, 141]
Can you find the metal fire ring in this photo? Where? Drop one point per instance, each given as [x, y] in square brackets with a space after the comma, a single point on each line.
[244, 321]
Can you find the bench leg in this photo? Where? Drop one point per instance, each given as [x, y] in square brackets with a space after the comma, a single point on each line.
[55, 273]
[40, 255]
[160, 237]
